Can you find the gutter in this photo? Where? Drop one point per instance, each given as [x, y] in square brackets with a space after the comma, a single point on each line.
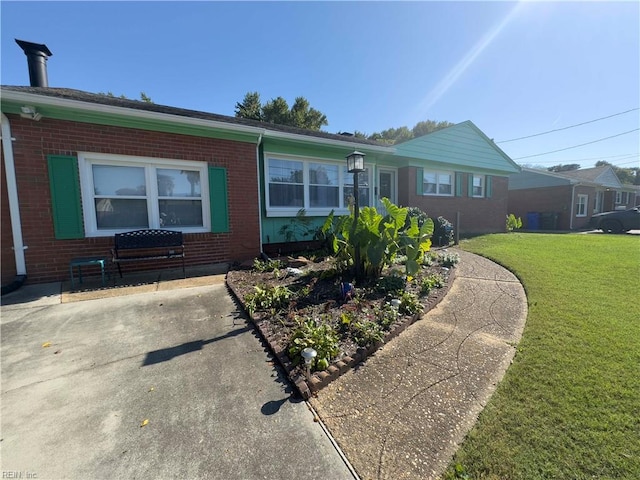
[12, 193]
[573, 198]
[259, 192]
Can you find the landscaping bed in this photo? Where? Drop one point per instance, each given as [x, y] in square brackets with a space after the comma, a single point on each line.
[301, 298]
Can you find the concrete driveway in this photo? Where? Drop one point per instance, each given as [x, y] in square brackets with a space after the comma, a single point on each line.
[79, 381]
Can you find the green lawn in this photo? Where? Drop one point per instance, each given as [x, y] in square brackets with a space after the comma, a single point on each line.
[569, 406]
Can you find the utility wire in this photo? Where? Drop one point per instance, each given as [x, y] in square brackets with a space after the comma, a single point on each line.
[576, 146]
[570, 126]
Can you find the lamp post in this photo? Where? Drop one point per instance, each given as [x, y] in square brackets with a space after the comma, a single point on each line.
[355, 165]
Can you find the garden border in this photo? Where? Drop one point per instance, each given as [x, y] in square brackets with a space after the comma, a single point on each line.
[319, 380]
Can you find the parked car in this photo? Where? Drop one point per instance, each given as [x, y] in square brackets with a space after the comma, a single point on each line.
[618, 221]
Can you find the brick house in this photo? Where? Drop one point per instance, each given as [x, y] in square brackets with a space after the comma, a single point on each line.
[79, 167]
[566, 200]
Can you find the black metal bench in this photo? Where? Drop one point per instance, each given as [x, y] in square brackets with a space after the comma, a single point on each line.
[140, 245]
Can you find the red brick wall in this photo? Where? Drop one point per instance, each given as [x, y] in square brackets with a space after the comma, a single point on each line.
[7, 256]
[552, 199]
[477, 215]
[47, 259]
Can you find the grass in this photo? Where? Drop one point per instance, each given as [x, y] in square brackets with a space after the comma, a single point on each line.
[569, 406]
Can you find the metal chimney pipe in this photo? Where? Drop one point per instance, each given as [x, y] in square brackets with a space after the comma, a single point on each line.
[37, 55]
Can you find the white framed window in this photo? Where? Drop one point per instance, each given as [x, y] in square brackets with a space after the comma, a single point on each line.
[121, 193]
[618, 198]
[364, 187]
[317, 186]
[437, 183]
[581, 205]
[477, 187]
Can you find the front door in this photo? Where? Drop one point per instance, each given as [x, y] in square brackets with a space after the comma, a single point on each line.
[386, 187]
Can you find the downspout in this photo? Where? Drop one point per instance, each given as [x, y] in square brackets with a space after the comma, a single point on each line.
[14, 205]
[259, 192]
[573, 197]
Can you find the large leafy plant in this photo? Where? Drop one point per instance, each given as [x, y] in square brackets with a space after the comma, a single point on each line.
[380, 238]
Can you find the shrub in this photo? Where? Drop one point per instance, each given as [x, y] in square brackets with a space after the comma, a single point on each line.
[386, 315]
[513, 223]
[267, 265]
[443, 232]
[448, 259]
[267, 298]
[409, 304]
[317, 335]
[429, 283]
[391, 284]
[367, 333]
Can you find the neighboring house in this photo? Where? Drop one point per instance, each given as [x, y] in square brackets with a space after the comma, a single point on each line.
[566, 200]
[80, 167]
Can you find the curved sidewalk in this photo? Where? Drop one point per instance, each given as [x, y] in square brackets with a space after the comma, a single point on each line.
[404, 412]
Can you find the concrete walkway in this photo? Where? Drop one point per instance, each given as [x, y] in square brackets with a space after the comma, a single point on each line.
[167, 384]
[403, 413]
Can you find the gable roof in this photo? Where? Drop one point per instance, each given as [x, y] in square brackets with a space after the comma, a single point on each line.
[534, 178]
[463, 144]
[603, 175]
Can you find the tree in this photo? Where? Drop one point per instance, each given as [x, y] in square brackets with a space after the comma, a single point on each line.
[402, 134]
[277, 111]
[250, 107]
[564, 168]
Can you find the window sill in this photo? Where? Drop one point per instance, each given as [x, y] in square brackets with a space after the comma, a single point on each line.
[309, 212]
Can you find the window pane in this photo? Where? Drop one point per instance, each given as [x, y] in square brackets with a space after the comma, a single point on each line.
[429, 183]
[109, 180]
[282, 195]
[186, 213]
[178, 183]
[444, 187]
[285, 171]
[323, 196]
[121, 213]
[363, 187]
[323, 174]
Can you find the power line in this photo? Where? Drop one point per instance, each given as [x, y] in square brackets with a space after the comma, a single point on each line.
[576, 146]
[581, 160]
[570, 126]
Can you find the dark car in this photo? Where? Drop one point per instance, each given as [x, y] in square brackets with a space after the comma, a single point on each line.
[618, 221]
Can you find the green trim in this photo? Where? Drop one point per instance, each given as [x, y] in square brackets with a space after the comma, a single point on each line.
[66, 206]
[488, 187]
[419, 181]
[218, 200]
[114, 120]
[459, 184]
[470, 185]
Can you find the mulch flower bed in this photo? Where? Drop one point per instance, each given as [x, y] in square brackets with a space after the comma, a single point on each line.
[316, 293]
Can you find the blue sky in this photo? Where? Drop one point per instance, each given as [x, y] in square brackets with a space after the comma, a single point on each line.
[513, 68]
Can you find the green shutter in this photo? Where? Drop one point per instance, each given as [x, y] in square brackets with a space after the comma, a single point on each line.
[66, 206]
[470, 185]
[458, 184]
[419, 180]
[218, 200]
[487, 187]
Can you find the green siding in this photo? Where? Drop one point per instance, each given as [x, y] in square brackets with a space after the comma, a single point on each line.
[66, 206]
[219, 200]
[462, 145]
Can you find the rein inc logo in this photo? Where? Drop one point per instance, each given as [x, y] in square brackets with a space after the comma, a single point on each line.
[18, 474]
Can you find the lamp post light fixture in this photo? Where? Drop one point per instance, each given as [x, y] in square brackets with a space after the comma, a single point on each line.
[355, 165]
[309, 354]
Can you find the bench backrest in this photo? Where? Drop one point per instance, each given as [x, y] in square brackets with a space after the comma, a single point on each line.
[148, 239]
